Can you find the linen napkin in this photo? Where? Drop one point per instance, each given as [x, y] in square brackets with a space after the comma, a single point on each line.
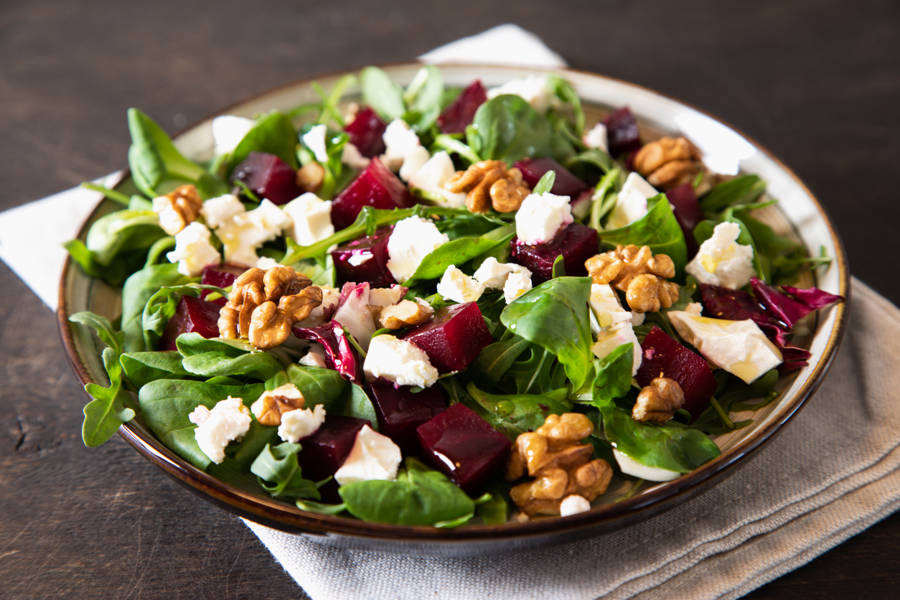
[832, 472]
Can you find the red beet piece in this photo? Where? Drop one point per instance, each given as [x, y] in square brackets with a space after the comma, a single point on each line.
[400, 411]
[565, 184]
[453, 338]
[372, 249]
[324, 451]
[192, 315]
[687, 212]
[665, 357]
[576, 243]
[268, 176]
[622, 132]
[462, 110]
[376, 186]
[339, 353]
[366, 131]
[464, 446]
[220, 276]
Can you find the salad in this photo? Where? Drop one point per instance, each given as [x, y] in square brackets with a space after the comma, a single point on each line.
[438, 306]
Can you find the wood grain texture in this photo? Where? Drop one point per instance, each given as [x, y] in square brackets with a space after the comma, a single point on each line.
[815, 82]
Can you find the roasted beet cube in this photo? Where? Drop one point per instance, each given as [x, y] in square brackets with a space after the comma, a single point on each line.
[461, 111]
[376, 186]
[400, 411]
[687, 212]
[268, 176]
[364, 259]
[565, 184]
[366, 131]
[324, 451]
[453, 338]
[576, 243]
[192, 315]
[665, 357]
[622, 132]
[464, 446]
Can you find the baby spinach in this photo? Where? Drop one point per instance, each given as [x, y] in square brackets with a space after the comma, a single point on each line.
[382, 94]
[319, 386]
[459, 251]
[138, 289]
[554, 315]
[273, 134]
[512, 414]
[743, 189]
[121, 231]
[658, 229]
[161, 306]
[419, 496]
[507, 128]
[212, 357]
[144, 367]
[496, 359]
[613, 379]
[280, 474]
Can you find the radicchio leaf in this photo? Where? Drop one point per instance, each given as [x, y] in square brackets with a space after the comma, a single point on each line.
[338, 350]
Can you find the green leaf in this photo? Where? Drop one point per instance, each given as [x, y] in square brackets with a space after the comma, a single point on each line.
[138, 289]
[280, 474]
[743, 189]
[495, 509]
[495, 359]
[423, 95]
[107, 411]
[360, 406]
[258, 365]
[658, 229]
[161, 306]
[121, 231]
[272, 134]
[564, 91]
[144, 367]
[513, 414]
[554, 315]
[459, 251]
[545, 183]
[319, 386]
[603, 199]
[320, 508]
[381, 93]
[508, 128]
[101, 326]
[613, 378]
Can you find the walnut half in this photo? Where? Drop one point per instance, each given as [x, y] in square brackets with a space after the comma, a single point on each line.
[178, 209]
[488, 184]
[668, 162]
[657, 402]
[639, 273]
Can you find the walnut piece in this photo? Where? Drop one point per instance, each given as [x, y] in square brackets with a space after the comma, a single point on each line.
[637, 272]
[273, 403]
[404, 313]
[490, 184]
[668, 162]
[559, 464]
[310, 177]
[264, 305]
[178, 209]
[657, 402]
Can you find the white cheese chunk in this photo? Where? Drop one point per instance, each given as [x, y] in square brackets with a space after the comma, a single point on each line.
[412, 239]
[352, 157]
[228, 131]
[228, 420]
[170, 220]
[573, 504]
[596, 137]
[432, 176]
[193, 250]
[459, 287]
[739, 347]
[314, 139]
[413, 161]
[247, 231]
[532, 88]
[721, 260]
[606, 311]
[288, 390]
[266, 262]
[310, 219]
[399, 140]
[399, 362]
[493, 273]
[373, 456]
[220, 210]
[631, 203]
[301, 422]
[541, 216]
[313, 358]
[629, 466]
[517, 283]
[613, 337]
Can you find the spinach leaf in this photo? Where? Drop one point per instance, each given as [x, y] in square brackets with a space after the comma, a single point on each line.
[459, 251]
[494, 510]
[512, 414]
[592, 159]
[381, 93]
[419, 496]
[613, 378]
[121, 231]
[319, 386]
[658, 229]
[743, 189]
[360, 406]
[161, 306]
[495, 359]
[507, 128]
[272, 134]
[423, 96]
[223, 360]
[138, 289]
[280, 474]
[554, 315]
[144, 367]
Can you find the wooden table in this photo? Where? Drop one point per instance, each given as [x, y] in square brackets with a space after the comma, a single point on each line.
[817, 83]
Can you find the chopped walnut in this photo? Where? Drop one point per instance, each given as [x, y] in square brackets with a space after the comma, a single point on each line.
[273, 403]
[668, 162]
[310, 177]
[405, 313]
[639, 273]
[559, 464]
[264, 305]
[657, 402]
[178, 209]
[490, 184]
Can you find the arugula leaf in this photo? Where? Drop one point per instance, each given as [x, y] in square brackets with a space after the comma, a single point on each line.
[452, 145]
[743, 189]
[554, 315]
[495, 359]
[507, 128]
[604, 197]
[161, 306]
[101, 326]
[381, 93]
[658, 229]
[512, 414]
[545, 183]
[280, 474]
[564, 91]
[272, 134]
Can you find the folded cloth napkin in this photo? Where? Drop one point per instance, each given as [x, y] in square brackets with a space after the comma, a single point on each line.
[832, 472]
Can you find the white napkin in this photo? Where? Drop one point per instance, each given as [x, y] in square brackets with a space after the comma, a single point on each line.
[834, 471]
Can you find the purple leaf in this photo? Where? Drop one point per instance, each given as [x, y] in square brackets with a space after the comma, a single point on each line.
[338, 351]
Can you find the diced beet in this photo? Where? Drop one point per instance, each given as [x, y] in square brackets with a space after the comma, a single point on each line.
[376, 186]
[324, 451]
[666, 357]
[462, 110]
[338, 350]
[400, 411]
[220, 276]
[372, 249]
[453, 338]
[366, 131]
[576, 242]
[268, 176]
[687, 212]
[565, 184]
[192, 315]
[464, 446]
[622, 132]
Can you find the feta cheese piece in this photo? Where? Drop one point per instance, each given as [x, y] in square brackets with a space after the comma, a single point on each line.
[459, 287]
[330, 298]
[573, 504]
[310, 219]
[739, 347]
[298, 423]
[170, 220]
[721, 260]
[386, 296]
[228, 131]
[399, 140]
[399, 362]
[314, 139]
[493, 273]
[541, 216]
[517, 283]
[249, 230]
[596, 138]
[354, 314]
[631, 203]
[193, 250]
[413, 161]
[352, 157]
[629, 466]
[266, 262]
[221, 210]
[533, 89]
[373, 456]
[267, 219]
[412, 239]
[313, 358]
[432, 176]
[228, 420]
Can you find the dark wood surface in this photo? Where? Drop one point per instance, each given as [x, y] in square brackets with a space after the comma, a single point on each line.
[816, 82]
